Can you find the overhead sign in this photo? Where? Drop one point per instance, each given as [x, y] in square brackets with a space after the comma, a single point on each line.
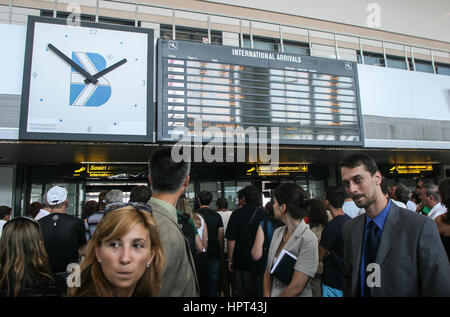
[111, 171]
[310, 100]
[411, 168]
[281, 170]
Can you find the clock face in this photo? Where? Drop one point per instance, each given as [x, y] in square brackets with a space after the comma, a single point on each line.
[88, 82]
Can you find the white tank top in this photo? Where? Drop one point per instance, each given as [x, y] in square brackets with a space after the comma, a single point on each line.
[200, 229]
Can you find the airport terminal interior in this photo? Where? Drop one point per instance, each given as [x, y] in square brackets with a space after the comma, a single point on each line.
[317, 135]
[90, 89]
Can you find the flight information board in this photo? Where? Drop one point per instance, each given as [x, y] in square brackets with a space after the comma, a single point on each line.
[310, 100]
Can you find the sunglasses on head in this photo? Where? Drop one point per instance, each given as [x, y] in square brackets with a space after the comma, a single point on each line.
[21, 218]
[135, 204]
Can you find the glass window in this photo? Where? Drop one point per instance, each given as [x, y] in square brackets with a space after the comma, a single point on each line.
[442, 69]
[423, 66]
[90, 17]
[190, 34]
[36, 193]
[183, 35]
[316, 189]
[165, 33]
[74, 208]
[216, 190]
[302, 182]
[230, 193]
[260, 44]
[300, 48]
[242, 184]
[270, 44]
[92, 195]
[65, 15]
[117, 21]
[371, 59]
[395, 62]
[400, 63]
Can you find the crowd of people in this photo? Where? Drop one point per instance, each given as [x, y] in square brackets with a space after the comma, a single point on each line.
[364, 238]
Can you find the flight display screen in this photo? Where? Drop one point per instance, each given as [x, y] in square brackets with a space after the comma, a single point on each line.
[308, 100]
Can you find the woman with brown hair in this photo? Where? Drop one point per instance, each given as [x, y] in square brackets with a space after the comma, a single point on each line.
[124, 257]
[190, 222]
[295, 237]
[184, 206]
[24, 269]
[318, 217]
[33, 209]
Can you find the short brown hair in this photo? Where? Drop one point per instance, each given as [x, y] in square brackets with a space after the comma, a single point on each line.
[359, 159]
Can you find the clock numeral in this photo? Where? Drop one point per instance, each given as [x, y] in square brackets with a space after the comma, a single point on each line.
[93, 32]
[143, 82]
[34, 75]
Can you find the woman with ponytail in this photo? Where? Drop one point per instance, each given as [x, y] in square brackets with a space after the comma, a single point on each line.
[295, 237]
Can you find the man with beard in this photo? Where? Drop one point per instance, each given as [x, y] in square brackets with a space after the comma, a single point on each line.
[388, 251]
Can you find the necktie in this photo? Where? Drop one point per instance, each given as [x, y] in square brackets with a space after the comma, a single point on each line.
[372, 242]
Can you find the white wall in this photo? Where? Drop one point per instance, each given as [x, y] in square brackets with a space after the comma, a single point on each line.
[419, 100]
[404, 94]
[428, 19]
[12, 57]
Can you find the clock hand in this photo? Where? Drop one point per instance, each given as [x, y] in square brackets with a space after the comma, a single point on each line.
[89, 77]
[108, 69]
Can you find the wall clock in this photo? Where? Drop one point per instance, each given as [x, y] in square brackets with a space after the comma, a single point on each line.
[92, 82]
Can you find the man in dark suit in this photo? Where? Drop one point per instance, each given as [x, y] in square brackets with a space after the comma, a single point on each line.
[388, 251]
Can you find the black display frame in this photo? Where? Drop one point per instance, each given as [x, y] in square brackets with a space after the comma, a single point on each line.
[222, 54]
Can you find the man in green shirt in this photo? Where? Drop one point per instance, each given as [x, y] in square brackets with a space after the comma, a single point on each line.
[421, 208]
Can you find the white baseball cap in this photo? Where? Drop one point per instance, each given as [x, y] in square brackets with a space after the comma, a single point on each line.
[56, 195]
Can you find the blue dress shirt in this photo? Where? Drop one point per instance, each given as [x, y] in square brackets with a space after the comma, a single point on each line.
[379, 221]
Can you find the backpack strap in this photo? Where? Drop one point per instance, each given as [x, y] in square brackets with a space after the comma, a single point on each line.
[265, 229]
[253, 216]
